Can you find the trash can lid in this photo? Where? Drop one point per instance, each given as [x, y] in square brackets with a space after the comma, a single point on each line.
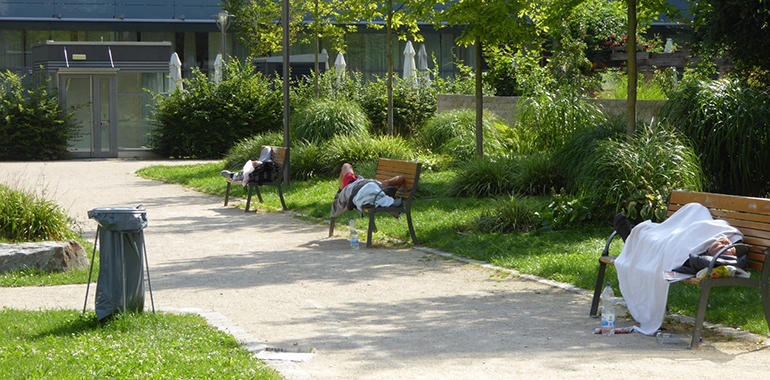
[121, 219]
[117, 210]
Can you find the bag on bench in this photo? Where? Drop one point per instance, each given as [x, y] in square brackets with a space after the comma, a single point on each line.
[265, 172]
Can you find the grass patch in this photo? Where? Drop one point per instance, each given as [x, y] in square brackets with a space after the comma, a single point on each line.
[65, 344]
[446, 223]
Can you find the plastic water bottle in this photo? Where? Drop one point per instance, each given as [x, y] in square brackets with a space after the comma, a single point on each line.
[608, 311]
[353, 234]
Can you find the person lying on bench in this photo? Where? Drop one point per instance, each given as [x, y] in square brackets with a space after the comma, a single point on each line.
[243, 175]
[653, 248]
[355, 192]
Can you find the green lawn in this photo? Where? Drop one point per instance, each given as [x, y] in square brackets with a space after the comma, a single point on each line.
[65, 344]
[443, 223]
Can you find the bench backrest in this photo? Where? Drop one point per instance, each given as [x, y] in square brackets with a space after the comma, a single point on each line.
[387, 169]
[278, 154]
[750, 215]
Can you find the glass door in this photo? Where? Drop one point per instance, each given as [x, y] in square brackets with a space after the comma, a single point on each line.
[94, 100]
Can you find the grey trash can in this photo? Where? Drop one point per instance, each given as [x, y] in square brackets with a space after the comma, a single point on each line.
[120, 285]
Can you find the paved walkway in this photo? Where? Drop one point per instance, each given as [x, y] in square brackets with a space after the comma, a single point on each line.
[377, 313]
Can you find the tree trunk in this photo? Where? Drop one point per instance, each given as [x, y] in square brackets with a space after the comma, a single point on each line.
[390, 68]
[479, 103]
[632, 75]
[286, 109]
[315, 32]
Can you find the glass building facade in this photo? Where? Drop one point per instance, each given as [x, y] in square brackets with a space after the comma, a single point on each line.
[190, 29]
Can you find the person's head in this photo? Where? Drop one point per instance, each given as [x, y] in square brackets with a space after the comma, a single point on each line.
[720, 243]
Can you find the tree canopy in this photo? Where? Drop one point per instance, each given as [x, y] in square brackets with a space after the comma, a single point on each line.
[739, 29]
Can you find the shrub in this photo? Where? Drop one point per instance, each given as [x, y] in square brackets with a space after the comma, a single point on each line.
[250, 148]
[548, 119]
[729, 126]
[510, 214]
[320, 120]
[32, 125]
[454, 133]
[565, 211]
[412, 105]
[26, 217]
[205, 118]
[654, 160]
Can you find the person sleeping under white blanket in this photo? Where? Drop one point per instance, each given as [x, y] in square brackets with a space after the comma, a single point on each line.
[652, 248]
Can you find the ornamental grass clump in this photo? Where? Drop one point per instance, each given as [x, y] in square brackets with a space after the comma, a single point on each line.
[729, 126]
[550, 118]
[453, 133]
[26, 217]
[510, 214]
[320, 120]
[654, 159]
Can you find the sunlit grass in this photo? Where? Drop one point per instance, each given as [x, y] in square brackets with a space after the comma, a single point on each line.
[65, 344]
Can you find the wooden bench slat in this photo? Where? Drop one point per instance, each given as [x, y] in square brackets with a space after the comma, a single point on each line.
[730, 215]
[722, 201]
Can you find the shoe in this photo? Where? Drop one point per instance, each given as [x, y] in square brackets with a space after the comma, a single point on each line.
[398, 203]
[390, 191]
[238, 177]
[622, 226]
[226, 174]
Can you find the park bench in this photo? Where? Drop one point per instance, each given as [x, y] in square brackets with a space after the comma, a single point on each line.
[386, 169]
[749, 215]
[279, 155]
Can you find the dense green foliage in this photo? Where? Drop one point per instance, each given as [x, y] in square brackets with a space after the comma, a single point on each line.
[615, 168]
[320, 120]
[453, 133]
[412, 105]
[511, 214]
[729, 126]
[739, 30]
[204, 119]
[547, 119]
[486, 176]
[310, 159]
[32, 125]
[28, 217]
[66, 344]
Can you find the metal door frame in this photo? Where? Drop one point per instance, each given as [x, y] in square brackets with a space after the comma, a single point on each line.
[94, 76]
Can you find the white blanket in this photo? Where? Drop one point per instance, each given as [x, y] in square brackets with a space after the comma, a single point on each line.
[653, 248]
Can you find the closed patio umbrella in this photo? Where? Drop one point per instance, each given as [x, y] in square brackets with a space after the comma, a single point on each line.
[175, 73]
[219, 65]
[410, 68]
[422, 65]
[339, 67]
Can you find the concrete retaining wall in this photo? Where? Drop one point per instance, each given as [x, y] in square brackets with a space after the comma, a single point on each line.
[505, 106]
